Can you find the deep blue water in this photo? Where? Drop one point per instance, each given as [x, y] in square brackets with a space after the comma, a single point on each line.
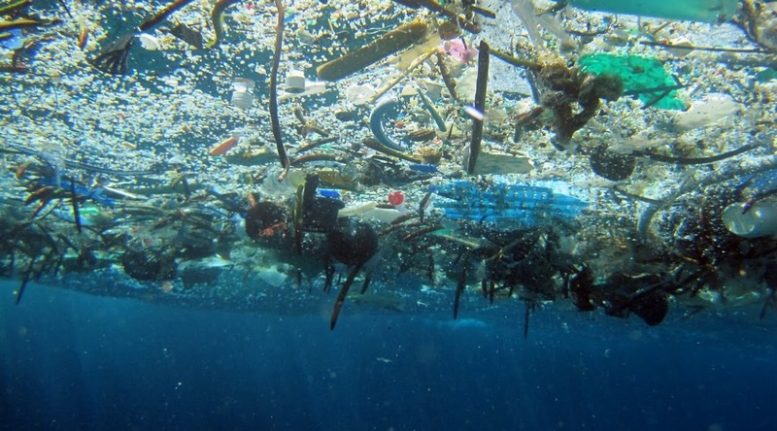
[73, 361]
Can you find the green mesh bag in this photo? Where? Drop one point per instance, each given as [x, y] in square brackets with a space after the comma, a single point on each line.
[643, 77]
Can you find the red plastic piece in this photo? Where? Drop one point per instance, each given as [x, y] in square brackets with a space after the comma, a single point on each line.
[396, 198]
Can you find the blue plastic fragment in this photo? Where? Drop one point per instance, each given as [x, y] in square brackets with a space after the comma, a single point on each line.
[328, 193]
[386, 108]
[524, 205]
[14, 41]
[389, 108]
[426, 168]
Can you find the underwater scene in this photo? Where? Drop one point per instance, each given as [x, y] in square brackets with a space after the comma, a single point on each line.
[388, 214]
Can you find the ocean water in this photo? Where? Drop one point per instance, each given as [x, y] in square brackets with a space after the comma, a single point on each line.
[178, 236]
[75, 361]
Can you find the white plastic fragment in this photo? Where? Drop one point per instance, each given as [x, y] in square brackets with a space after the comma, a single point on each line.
[473, 113]
[359, 94]
[712, 109]
[149, 42]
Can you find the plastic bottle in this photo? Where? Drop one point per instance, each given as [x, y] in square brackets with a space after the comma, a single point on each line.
[759, 220]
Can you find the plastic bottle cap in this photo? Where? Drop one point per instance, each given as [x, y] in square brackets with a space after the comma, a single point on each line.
[295, 81]
[396, 198]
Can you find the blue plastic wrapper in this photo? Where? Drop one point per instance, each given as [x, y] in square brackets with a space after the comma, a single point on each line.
[501, 203]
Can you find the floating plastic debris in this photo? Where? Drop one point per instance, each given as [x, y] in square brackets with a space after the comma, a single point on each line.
[396, 197]
[379, 136]
[473, 113]
[295, 81]
[502, 203]
[149, 42]
[642, 76]
[754, 221]
[222, 147]
[424, 168]
[391, 42]
[387, 107]
[712, 109]
[242, 93]
[328, 193]
[693, 10]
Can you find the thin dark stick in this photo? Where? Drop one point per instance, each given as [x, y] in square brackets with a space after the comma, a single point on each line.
[480, 106]
[64, 6]
[705, 48]
[366, 284]
[74, 203]
[313, 158]
[484, 12]
[113, 59]
[161, 15]
[637, 197]
[662, 88]
[460, 286]
[463, 22]
[25, 280]
[342, 295]
[698, 160]
[656, 99]
[276, 60]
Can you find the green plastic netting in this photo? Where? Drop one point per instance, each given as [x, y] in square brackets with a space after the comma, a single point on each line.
[643, 77]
